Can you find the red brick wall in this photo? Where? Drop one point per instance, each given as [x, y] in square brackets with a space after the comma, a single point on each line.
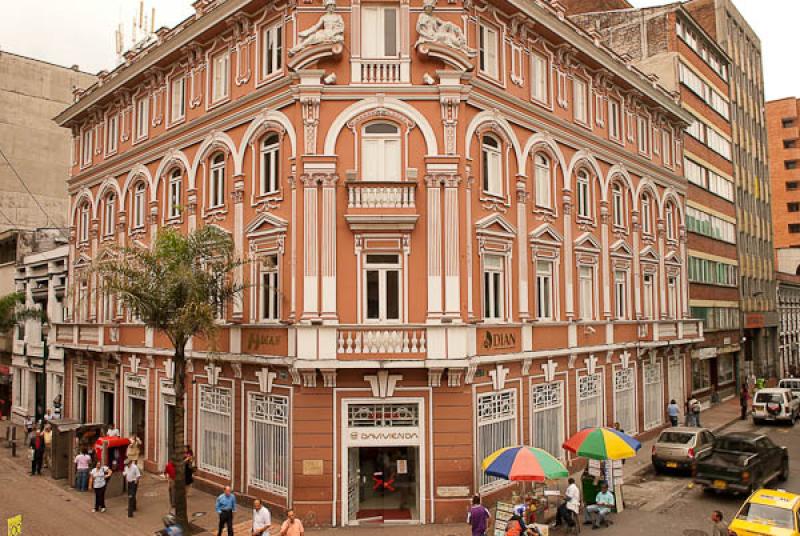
[777, 111]
[575, 7]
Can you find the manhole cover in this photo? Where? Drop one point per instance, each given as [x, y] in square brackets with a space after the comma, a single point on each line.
[694, 532]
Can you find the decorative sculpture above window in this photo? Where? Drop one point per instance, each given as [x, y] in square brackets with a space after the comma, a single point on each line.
[442, 39]
[328, 30]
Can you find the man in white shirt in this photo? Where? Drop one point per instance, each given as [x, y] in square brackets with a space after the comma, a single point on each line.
[132, 475]
[573, 496]
[262, 520]
[113, 431]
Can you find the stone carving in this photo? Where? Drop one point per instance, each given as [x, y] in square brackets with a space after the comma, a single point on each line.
[432, 29]
[329, 29]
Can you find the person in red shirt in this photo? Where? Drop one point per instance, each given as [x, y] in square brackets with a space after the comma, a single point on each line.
[169, 472]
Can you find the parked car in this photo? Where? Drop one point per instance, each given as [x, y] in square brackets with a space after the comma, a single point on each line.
[775, 404]
[680, 447]
[791, 383]
[768, 511]
[742, 462]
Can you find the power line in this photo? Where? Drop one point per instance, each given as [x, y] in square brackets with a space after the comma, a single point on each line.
[14, 170]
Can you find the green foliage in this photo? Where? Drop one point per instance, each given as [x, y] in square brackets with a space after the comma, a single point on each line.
[178, 284]
[12, 312]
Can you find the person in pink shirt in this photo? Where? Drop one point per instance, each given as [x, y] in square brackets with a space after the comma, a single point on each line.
[292, 526]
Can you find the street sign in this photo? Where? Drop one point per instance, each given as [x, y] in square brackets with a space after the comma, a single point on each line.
[15, 526]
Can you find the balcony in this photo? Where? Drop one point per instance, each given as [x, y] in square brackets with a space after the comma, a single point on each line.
[363, 342]
[380, 194]
[65, 332]
[660, 330]
[381, 71]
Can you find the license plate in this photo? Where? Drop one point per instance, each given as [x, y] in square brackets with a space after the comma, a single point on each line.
[720, 484]
[672, 465]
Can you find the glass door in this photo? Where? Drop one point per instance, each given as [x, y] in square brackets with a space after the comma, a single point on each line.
[388, 489]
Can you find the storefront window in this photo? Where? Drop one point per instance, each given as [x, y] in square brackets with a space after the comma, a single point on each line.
[701, 375]
[725, 369]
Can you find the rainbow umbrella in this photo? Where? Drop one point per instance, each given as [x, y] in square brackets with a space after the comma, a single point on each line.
[523, 463]
[602, 444]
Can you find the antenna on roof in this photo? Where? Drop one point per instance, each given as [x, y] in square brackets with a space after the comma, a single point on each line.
[142, 32]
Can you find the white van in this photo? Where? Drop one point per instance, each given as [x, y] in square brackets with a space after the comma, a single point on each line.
[775, 404]
[791, 383]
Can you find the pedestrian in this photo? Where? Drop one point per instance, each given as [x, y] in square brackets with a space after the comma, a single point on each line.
[113, 431]
[744, 400]
[48, 416]
[226, 506]
[188, 464]
[169, 472]
[673, 412]
[132, 476]
[720, 528]
[37, 446]
[596, 513]
[29, 422]
[48, 445]
[478, 517]
[262, 519]
[134, 449]
[82, 463]
[695, 405]
[514, 526]
[292, 526]
[573, 501]
[97, 480]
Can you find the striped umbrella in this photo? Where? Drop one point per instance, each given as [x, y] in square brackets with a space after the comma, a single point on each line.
[523, 463]
[602, 444]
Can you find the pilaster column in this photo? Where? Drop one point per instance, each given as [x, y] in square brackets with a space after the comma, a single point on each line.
[191, 208]
[604, 260]
[329, 246]
[684, 273]
[569, 257]
[293, 258]
[523, 257]
[310, 248]
[237, 196]
[452, 280]
[662, 274]
[636, 269]
[310, 91]
[433, 185]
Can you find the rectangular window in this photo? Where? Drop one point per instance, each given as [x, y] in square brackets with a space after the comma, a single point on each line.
[270, 295]
[653, 396]
[625, 399]
[86, 147]
[270, 150]
[178, 99]
[793, 207]
[174, 196]
[382, 293]
[493, 285]
[580, 100]
[666, 146]
[787, 123]
[138, 207]
[618, 206]
[614, 120]
[621, 294]
[112, 133]
[717, 143]
[220, 67]
[794, 228]
[217, 184]
[492, 167]
[85, 223]
[214, 430]
[701, 374]
[672, 296]
[697, 131]
[792, 185]
[590, 401]
[646, 216]
[497, 428]
[647, 302]
[547, 417]
[540, 81]
[109, 215]
[584, 199]
[586, 291]
[725, 369]
[142, 117]
[379, 31]
[643, 135]
[272, 40]
[489, 51]
[790, 164]
[268, 452]
[706, 224]
[544, 290]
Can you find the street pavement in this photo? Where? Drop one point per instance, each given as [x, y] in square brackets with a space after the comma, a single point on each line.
[666, 504]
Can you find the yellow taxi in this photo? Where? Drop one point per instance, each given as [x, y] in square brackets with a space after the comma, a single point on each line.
[768, 512]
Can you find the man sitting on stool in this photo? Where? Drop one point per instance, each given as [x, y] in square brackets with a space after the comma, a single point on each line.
[596, 513]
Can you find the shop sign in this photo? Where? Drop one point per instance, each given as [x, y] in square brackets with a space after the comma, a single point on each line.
[705, 353]
[754, 320]
[265, 341]
[313, 467]
[137, 382]
[452, 491]
[498, 340]
[368, 437]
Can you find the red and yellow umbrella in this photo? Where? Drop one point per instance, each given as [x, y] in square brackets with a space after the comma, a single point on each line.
[523, 463]
[602, 444]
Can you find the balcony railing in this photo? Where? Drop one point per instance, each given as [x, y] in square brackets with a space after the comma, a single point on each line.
[382, 341]
[381, 71]
[379, 194]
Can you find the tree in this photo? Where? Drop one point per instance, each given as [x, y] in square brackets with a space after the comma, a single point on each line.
[178, 286]
[12, 311]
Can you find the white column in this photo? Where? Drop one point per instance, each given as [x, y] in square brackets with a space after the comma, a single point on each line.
[310, 256]
[569, 258]
[604, 260]
[238, 239]
[684, 274]
[329, 246]
[470, 259]
[637, 269]
[293, 258]
[452, 280]
[522, 234]
[662, 274]
[434, 247]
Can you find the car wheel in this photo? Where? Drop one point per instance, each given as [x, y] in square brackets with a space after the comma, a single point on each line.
[657, 470]
[757, 422]
[784, 475]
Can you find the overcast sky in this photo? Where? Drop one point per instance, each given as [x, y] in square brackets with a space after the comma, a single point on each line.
[81, 32]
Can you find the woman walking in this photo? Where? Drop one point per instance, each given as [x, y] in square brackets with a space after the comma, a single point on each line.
[97, 481]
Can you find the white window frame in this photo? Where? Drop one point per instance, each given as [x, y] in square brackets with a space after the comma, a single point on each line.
[653, 395]
[220, 76]
[177, 99]
[112, 133]
[543, 180]
[625, 391]
[381, 152]
[142, 118]
[621, 294]
[669, 221]
[540, 78]
[583, 194]
[489, 50]
[643, 135]
[374, 42]
[216, 181]
[497, 427]
[647, 214]
[211, 411]
[139, 204]
[382, 269]
[109, 214]
[586, 277]
[174, 187]
[580, 100]
[270, 164]
[493, 287]
[672, 296]
[614, 120]
[618, 208]
[269, 414]
[666, 147]
[272, 50]
[545, 302]
[87, 147]
[492, 166]
[590, 389]
[84, 222]
[648, 296]
[269, 289]
[548, 398]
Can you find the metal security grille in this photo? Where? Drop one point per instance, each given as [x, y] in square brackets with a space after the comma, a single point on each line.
[590, 401]
[547, 405]
[497, 428]
[382, 415]
[625, 399]
[653, 396]
[268, 446]
[214, 430]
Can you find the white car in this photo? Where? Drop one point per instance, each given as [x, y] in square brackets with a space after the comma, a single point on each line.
[775, 404]
[791, 383]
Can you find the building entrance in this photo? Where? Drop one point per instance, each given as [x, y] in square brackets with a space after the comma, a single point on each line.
[137, 420]
[384, 486]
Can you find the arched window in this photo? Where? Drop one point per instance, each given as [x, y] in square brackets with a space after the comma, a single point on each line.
[216, 183]
[380, 152]
[270, 158]
[669, 221]
[174, 194]
[492, 169]
[584, 195]
[618, 204]
[647, 214]
[109, 214]
[542, 181]
[84, 222]
[138, 205]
